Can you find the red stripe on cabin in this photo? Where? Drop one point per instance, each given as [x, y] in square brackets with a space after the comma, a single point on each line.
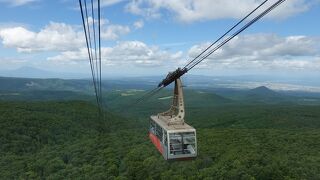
[154, 139]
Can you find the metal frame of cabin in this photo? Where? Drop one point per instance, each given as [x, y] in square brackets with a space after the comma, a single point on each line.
[168, 131]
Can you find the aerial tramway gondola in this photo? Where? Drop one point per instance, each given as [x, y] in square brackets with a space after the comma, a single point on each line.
[170, 134]
[168, 131]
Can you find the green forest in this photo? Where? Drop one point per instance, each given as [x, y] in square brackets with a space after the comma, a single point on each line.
[68, 140]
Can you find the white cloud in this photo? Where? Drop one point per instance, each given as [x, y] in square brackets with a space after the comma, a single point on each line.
[263, 51]
[109, 31]
[18, 2]
[102, 21]
[144, 8]
[201, 10]
[125, 53]
[264, 45]
[79, 55]
[54, 37]
[138, 24]
[246, 52]
[113, 32]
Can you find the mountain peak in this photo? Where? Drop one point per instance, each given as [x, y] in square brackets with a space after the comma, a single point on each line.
[261, 88]
[263, 91]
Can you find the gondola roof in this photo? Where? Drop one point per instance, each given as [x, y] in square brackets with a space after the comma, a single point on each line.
[163, 122]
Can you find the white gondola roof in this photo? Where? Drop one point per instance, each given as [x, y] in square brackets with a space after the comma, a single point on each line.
[163, 122]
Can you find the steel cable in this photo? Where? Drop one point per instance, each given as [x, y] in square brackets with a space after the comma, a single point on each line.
[196, 61]
[237, 33]
[243, 19]
[95, 62]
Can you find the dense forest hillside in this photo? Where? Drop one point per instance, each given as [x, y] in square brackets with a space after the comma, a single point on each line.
[58, 140]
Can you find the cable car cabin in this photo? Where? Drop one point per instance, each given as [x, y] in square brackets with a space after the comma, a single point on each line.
[175, 141]
[174, 138]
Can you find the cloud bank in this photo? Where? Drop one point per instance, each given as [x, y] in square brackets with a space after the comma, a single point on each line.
[125, 53]
[263, 51]
[189, 11]
[54, 37]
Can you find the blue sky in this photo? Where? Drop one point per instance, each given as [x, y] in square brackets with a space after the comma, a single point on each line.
[152, 37]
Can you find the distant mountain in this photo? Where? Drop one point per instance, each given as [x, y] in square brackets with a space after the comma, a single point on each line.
[200, 95]
[23, 84]
[264, 91]
[311, 85]
[264, 94]
[27, 71]
[78, 85]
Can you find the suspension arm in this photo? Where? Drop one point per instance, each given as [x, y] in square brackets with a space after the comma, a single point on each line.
[172, 76]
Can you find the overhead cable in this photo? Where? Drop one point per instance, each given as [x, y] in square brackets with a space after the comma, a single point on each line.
[226, 33]
[236, 33]
[209, 50]
[94, 52]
